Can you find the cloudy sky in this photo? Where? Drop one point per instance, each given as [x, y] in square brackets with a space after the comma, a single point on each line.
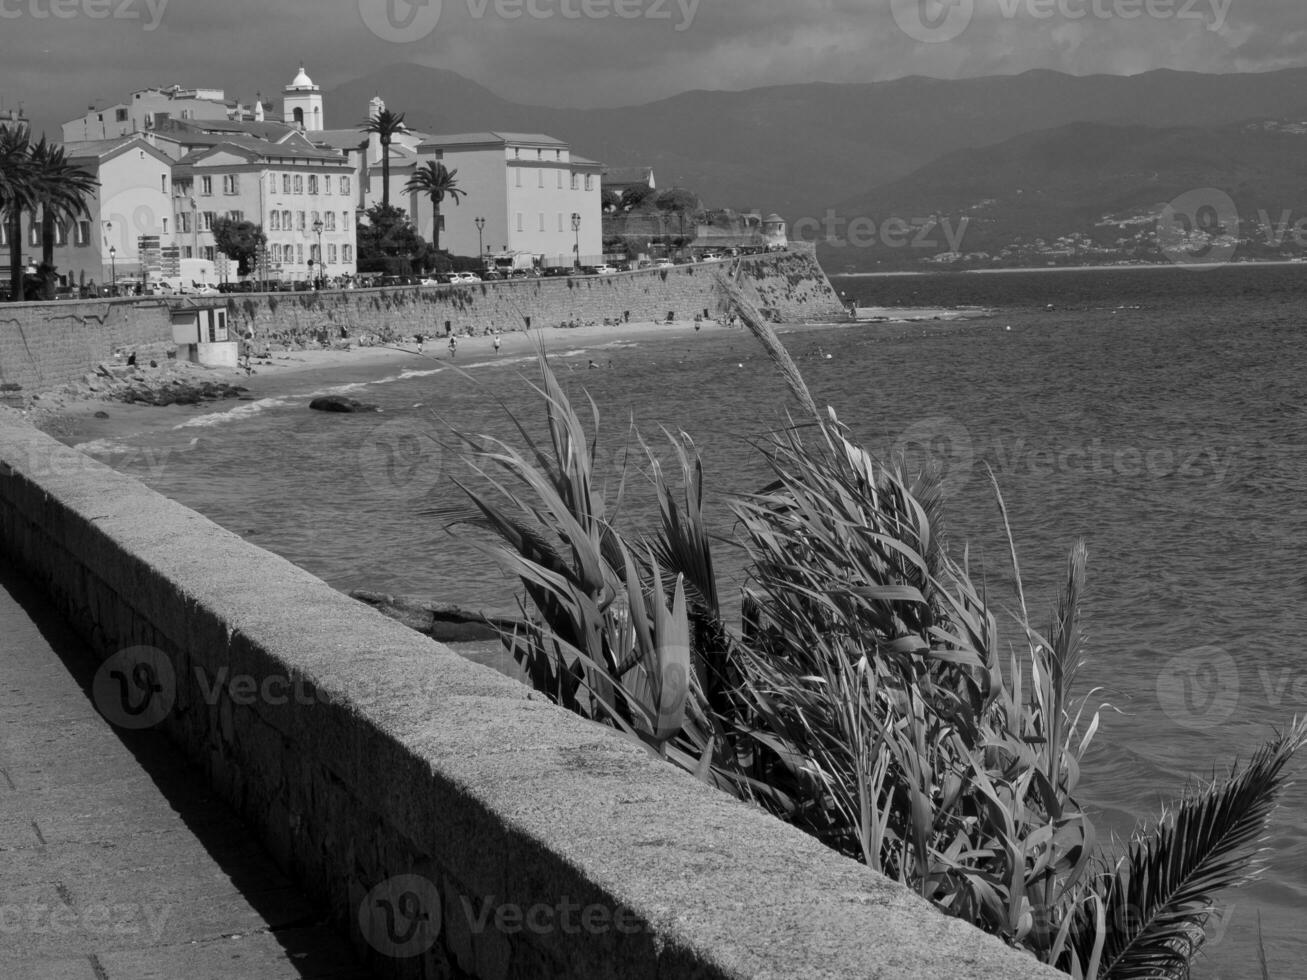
[58, 56]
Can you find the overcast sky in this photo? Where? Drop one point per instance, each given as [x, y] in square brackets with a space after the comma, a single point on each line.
[57, 56]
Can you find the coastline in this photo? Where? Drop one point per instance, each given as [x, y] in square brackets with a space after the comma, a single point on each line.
[70, 416]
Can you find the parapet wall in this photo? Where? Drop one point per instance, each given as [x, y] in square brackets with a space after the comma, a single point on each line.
[454, 824]
[43, 345]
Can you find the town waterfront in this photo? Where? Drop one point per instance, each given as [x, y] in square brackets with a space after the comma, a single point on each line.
[1159, 414]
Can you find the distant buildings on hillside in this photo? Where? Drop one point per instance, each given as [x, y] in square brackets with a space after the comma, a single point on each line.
[171, 161]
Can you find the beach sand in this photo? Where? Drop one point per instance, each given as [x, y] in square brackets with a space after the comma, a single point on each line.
[70, 414]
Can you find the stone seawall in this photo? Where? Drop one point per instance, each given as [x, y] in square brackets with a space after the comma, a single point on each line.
[43, 345]
[455, 824]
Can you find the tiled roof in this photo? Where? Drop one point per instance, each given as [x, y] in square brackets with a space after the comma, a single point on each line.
[476, 139]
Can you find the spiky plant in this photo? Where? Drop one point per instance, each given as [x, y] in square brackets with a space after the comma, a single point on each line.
[864, 695]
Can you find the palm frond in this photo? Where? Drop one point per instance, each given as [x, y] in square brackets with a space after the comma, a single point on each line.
[1161, 893]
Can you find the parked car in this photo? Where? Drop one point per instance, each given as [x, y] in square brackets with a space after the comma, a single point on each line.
[604, 270]
[664, 264]
[465, 277]
[552, 271]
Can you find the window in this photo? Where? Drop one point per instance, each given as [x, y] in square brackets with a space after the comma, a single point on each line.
[574, 182]
[299, 254]
[274, 221]
[272, 183]
[589, 185]
[440, 154]
[163, 183]
[299, 220]
[83, 233]
[285, 221]
[236, 215]
[274, 254]
[231, 184]
[326, 185]
[34, 234]
[285, 183]
[188, 252]
[331, 254]
[183, 221]
[329, 220]
[519, 221]
[165, 226]
[313, 254]
[206, 186]
[347, 253]
[344, 220]
[344, 185]
[120, 115]
[313, 183]
[210, 254]
[206, 221]
[299, 183]
[314, 219]
[60, 234]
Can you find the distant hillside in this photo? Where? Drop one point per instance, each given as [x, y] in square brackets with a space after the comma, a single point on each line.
[1089, 192]
[801, 149]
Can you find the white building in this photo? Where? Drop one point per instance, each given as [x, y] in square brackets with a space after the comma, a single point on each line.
[290, 188]
[148, 108]
[525, 186]
[130, 215]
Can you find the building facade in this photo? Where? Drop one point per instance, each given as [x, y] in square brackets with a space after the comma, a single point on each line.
[526, 187]
[301, 195]
[130, 215]
[150, 107]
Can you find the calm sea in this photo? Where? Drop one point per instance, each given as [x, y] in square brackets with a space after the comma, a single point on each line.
[1158, 414]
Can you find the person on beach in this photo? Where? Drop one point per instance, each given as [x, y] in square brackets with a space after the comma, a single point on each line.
[496, 341]
[419, 338]
[453, 346]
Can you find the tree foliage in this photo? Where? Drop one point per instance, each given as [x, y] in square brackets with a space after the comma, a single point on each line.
[387, 235]
[386, 125]
[437, 183]
[241, 241]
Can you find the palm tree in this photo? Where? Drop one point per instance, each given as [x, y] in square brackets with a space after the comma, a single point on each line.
[15, 196]
[436, 182]
[61, 189]
[385, 124]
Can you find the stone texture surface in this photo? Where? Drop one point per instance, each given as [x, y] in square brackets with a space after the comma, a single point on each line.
[119, 861]
[455, 824]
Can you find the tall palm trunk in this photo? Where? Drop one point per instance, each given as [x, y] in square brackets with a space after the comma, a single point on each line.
[47, 253]
[385, 171]
[435, 228]
[16, 255]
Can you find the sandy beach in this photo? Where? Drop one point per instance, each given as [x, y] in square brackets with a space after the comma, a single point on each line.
[75, 415]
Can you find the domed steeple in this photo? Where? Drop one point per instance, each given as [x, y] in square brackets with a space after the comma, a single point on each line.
[302, 105]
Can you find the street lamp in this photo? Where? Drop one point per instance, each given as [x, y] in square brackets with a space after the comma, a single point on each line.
[576, 229]
[322, 265]
[481, 244]
[113, 266]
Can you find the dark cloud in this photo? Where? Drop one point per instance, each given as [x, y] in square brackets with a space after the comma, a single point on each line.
[551, 52]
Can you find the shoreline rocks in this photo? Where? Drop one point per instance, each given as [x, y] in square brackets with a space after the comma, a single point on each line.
[339, 403]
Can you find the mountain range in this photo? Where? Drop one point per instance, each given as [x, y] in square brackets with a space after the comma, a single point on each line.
[1040, 155]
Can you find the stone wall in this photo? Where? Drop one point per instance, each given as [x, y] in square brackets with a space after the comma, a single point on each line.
[455, 824]
[43, 345]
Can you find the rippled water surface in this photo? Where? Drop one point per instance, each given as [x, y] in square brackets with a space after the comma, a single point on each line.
[1159, 415]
